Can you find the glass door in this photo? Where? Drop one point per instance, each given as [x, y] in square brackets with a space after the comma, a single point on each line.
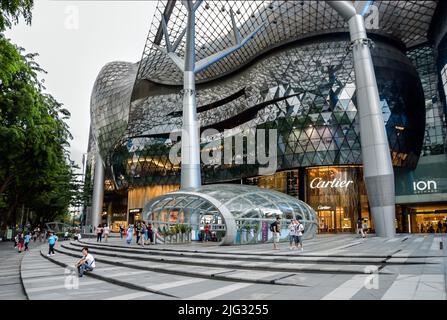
[326, 221]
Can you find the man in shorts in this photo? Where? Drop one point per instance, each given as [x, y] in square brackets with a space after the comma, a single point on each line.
[299, 235]
[276, 233]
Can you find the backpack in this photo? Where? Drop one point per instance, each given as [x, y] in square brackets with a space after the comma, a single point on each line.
[272, 225]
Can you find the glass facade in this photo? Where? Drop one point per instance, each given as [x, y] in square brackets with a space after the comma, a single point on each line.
[295, 76]
[110, 104]
[251, 209]
[424, 60]
[285, 21]
[338, 195]
[306, 92]
[285, 181]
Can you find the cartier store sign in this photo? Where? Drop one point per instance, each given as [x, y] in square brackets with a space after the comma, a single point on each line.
[320, 183]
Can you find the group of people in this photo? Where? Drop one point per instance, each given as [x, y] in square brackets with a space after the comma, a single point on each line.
[102, 230]
[296, 231]
[429, 228]
[22, 240]
[144, 233]
[206, 236]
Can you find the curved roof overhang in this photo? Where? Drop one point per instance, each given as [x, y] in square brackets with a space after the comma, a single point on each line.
[286, 21]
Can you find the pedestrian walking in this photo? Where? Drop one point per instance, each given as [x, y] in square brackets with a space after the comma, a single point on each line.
[16, 241]
[20, 242]
[275, 228]
[150, 233]
[360, 227]
[106, 232]
[138, 232]
[129, 234]
[299, 235]
[206, 230]
[98, 233]
[365, 229]
[121, 231]
[292, 234]
[51, 243]
[143, 233]
[154, 234]
[27, 241]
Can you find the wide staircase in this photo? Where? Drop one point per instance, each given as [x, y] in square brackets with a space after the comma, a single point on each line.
[206, 271]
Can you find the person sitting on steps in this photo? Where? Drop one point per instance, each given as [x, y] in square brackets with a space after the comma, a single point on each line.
[86, 263]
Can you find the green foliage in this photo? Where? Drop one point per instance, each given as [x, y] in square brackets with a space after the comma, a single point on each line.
[219, 235]
[12, 10]
[182, 228]
[35, 170]
[247, 227]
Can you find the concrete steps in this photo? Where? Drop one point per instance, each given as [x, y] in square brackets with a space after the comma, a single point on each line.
[295, 256]
[202, 271]
[54, 278]
[216, 272]
[195, 282]
[221, 265]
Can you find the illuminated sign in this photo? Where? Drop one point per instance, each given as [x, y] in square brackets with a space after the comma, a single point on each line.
[425, 186]
[319, 183]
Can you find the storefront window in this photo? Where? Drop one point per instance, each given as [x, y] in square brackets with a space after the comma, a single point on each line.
[284, 181]
[428, 219]
[339, 196]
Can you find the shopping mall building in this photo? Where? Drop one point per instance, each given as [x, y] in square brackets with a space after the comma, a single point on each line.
[296, 76]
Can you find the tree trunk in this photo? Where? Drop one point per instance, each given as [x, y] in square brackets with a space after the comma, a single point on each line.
[5, 184]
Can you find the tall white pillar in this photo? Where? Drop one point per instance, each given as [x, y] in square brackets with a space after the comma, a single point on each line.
[98, 191]
[190, 167]
[377, 165]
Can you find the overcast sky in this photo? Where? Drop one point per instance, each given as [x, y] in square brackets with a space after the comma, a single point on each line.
[75, 39]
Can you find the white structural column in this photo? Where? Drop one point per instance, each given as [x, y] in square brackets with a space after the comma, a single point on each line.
[190, 167]
[377, 166]
[98, 190]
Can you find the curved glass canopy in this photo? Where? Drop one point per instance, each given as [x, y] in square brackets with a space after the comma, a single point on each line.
[237, 214]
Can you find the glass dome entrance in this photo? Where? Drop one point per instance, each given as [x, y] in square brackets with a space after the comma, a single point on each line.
[235, 214]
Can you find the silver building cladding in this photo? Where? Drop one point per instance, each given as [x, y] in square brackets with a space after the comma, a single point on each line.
[296, 75]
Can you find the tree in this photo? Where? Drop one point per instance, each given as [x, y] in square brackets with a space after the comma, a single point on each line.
[12, 10]
[35, 169]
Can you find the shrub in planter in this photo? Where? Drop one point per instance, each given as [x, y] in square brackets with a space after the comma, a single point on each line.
[220, 235]
[188, 233]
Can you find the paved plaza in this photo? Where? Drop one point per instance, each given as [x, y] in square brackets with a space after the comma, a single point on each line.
[331, 267]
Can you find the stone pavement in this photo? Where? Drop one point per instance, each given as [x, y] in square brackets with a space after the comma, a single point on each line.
[331, 267]
[10, 282]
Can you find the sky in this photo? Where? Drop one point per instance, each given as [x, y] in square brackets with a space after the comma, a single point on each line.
[75, 39]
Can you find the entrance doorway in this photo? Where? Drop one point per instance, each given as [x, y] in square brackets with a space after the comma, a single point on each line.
[428, 219]
[326, 221]
[334, 221]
